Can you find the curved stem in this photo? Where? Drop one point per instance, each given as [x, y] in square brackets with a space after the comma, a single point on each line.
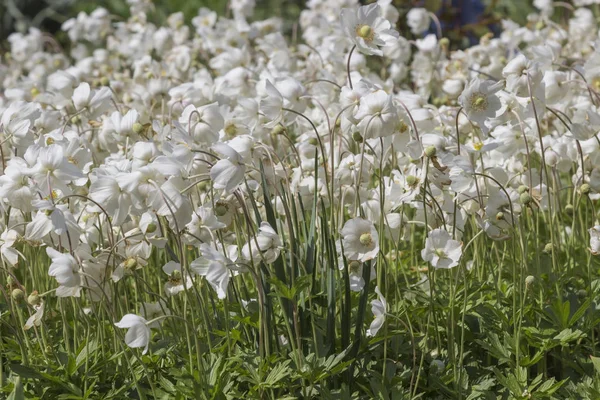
[348, 66]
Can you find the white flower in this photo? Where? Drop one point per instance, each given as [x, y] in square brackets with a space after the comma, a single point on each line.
[269, 245]
[418, 20]
[480, 102]
[215, 267]
[441, 250]
[367, 28]
[138, 334]
[272, 105]
[7, 240]
[228, 172]
[595, 239]
[36, 318]
[360, 240]
[96, 101]
[178, 280]
[65, 269]
[377, 115]
[379, 308]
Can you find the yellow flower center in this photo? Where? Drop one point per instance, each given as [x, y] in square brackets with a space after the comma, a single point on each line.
[479, 102]
[477, 145]
[365, 32]
[366, 239]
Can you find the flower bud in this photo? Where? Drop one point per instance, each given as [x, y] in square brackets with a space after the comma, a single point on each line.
[203, 185]
[525, 198]
[137, 127]
[104, 81]
[17, 295]
[313, 141]
[584, 189]
[75, 119]
[34, 298]
[354, 267]
[500, 216]
[522, 189]
[357, 137]
[529, 280]
[430, 151]
[548, 248]
[569, 209]
[277, 130]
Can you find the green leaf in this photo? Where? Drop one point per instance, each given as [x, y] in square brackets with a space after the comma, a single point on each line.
[17, 393]
[580, 311]
[596, 363]
[25, 372]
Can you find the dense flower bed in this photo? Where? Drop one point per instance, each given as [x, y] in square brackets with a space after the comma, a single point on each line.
[206, 211]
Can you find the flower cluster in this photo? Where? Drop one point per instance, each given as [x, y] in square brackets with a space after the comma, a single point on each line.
[204, 149]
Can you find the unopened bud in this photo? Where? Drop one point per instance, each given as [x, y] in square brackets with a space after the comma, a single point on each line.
[104, 81]
[277, 130]
[569, 209]
[529, 280]
[500, 216]
[137, 127]
[525, 198]
[430, 151]
[34, 298]
[354, 267]
[357, 137]
[523, 189]
[548, 248]
[584, 189]
[17, 295]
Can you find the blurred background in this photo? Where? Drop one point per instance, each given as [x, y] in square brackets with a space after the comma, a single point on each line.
[463, 20]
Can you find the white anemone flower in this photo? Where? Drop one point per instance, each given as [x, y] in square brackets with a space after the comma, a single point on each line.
[215, 267]
[272, 105]
[138, 333]
[379, 308]
[441, 250]
[178, 279]
[418, 20]
[368, 29]
[360, 240]
[595, 240]
[269, 245]
[480, 102]
[228, 172]
[65, 269]
[377, 115]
